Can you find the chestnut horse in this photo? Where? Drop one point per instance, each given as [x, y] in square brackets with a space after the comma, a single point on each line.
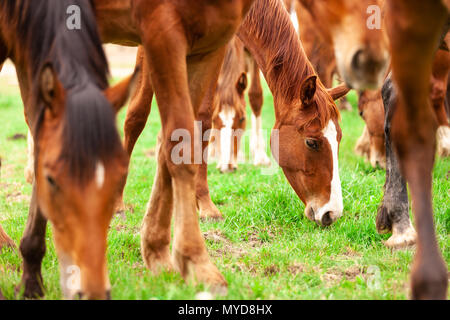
[229, 109]
[296, 122]
[370, 105]
[181, 65]
[79, 160]
[415, 29]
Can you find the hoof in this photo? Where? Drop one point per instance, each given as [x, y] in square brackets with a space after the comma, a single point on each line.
[429, 279]
[30, 289]
[204, 272]
[157, 262]
[208, 210]
[402, 240]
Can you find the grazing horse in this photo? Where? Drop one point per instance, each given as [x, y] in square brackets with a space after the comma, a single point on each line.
[307, 118]
[360, 45]
[79, 160]
[229, 109]
[371, 144]
[181, 65]
[370, 105]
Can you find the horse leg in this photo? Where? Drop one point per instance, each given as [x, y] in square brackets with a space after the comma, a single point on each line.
[255, 96]
[32, 248]
[414, 129]
[5, 240]
[155, 232]
[137, 114]
[393, 213]
[140, 105]
[207, 209]
[167, 50]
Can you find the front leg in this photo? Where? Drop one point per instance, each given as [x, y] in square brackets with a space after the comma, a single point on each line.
[414, 128]
[32, 248]
[393, 213]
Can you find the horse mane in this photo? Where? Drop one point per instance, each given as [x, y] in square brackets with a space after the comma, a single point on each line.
[283, 60]
[77, 56]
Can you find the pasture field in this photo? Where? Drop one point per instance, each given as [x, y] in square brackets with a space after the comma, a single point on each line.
[265, 247]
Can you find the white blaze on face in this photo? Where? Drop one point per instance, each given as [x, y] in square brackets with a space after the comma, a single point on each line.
[100, 175]
[70, 276]
[227, 116]
[335, 204]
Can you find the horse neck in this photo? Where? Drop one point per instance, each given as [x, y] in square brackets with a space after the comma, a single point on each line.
[269, 35]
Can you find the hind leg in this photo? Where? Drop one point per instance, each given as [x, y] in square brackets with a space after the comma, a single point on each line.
[32, 248]
[137, 113]
[393, 213]
[414, 129]
[207, 209]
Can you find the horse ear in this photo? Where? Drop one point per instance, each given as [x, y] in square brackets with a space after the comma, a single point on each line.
[47, 83]
[338, 91]
[119, 94]
[241, 85]
[50, 88]
[308, 90]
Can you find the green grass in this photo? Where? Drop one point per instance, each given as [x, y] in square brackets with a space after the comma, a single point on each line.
[265, 247]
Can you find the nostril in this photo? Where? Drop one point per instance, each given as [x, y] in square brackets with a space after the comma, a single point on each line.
[108, 295]
[358, 60]
[326, 219]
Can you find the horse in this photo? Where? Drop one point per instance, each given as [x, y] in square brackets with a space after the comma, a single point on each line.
[79, 159]
[415, 30]
[370, 106]
[371, 144]
[229, 110]
[181, 65]
[360, 45]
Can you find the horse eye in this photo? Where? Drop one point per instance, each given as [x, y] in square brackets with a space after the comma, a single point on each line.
[51, 182]
[361, 113]
[312, 144]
